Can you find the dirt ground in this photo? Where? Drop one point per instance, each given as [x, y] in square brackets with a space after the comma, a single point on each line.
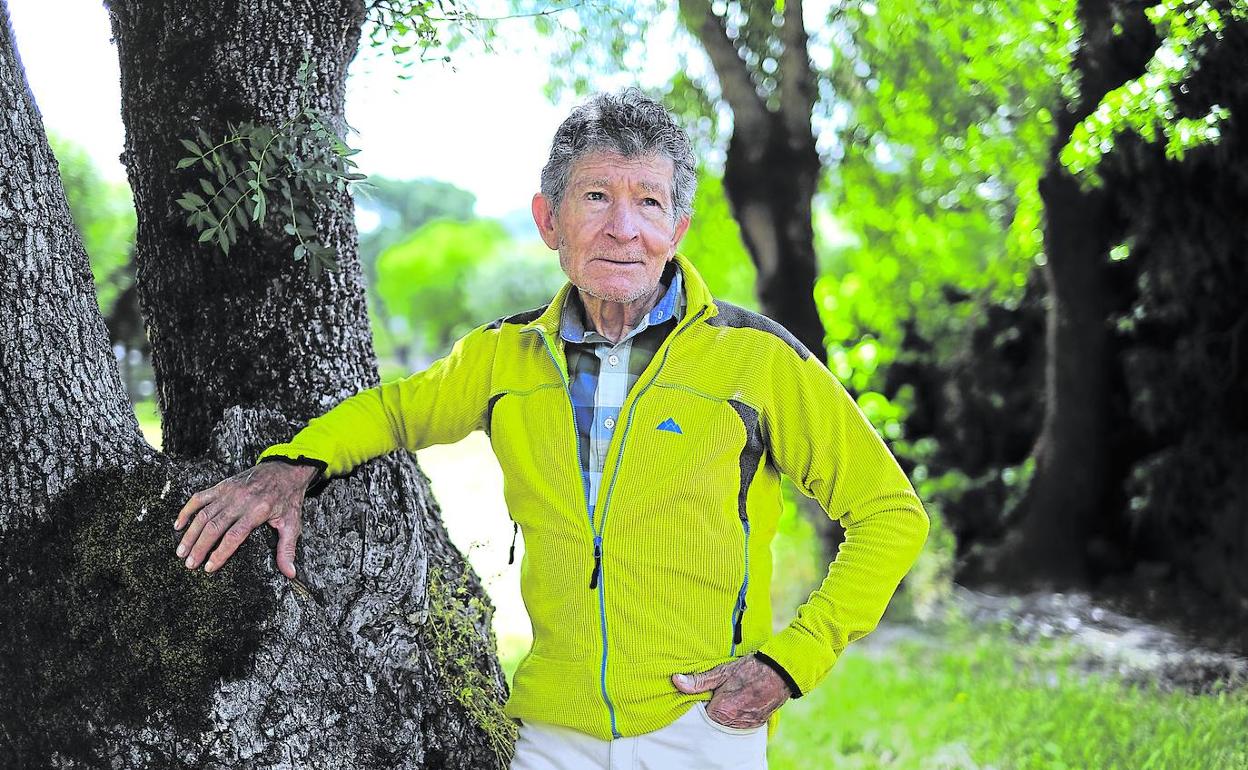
[1107, 638]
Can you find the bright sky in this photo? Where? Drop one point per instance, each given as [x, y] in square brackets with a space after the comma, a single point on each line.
[485, 126]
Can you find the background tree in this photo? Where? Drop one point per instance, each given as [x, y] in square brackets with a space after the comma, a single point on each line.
[1143, 185]
[950, 157]
[381, 655]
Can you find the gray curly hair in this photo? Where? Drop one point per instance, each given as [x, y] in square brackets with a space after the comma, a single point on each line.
[627, 122]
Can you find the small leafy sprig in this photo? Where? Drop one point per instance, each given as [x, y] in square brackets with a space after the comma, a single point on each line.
[261, 171]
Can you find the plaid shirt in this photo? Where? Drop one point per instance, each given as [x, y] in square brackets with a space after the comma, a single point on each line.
[601, 373]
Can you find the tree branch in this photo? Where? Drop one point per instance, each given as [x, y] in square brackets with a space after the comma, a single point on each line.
[750, 115]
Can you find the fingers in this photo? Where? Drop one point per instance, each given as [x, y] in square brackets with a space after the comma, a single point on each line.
[207, 527]
[234, 537]
[707, 680]
[288, 527]
[197, 501]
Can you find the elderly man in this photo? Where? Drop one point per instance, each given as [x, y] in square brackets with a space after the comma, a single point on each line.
[642, 427]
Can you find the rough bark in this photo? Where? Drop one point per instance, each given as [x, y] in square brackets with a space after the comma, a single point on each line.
[62, 405]
[1073, 486]
[384, 658]
[772, 168]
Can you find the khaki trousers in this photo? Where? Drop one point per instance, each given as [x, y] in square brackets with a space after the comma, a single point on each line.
[692, 742]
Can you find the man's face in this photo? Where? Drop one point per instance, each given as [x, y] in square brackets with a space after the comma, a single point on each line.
[614, 228]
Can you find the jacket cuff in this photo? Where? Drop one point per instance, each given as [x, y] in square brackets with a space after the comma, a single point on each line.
[318, 481]
[770, 663]
[804, 658]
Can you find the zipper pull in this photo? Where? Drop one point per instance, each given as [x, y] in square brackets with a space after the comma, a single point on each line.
[512, 557]
[736, 628]
[593, 578]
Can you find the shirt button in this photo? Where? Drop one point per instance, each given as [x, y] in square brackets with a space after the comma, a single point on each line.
[613, 359]
[609, 422]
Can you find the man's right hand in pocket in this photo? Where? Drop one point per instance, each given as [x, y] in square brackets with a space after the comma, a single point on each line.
[222, 516]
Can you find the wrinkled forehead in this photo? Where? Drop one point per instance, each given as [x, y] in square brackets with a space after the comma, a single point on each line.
[652, 171]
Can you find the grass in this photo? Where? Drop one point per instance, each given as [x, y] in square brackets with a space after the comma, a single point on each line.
[973, 698]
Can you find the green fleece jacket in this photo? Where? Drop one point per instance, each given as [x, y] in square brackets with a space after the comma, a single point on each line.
[673, 574]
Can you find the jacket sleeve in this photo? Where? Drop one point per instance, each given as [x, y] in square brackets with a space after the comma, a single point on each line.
[821, 439]
[439, 405]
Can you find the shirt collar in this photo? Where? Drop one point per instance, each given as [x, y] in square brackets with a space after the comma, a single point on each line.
[573, 322]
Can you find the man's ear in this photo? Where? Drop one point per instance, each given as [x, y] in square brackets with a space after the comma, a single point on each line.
[544, 218]
[682, 226]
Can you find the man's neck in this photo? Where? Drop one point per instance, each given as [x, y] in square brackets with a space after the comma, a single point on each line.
[614, 320]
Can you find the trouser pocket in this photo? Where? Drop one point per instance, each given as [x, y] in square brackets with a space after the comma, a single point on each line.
[701, 707]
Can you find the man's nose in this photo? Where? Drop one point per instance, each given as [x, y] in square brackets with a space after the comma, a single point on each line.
[622, 223]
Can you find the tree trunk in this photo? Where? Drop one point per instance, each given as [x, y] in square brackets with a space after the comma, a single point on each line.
[384, 658]
[770, 179]
[64, 409]
[1072, 486]
[772, 167]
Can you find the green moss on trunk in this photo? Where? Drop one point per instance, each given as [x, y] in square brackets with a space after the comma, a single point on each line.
[101, 627]
[452, 633]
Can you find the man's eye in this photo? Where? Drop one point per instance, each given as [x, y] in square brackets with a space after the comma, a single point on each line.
[652, 202]
[595, 196]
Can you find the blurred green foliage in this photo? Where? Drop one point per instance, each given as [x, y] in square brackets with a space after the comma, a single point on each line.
[713, 244]
[400, 206]
[449, 277]
[103, 212]
[1146, 105]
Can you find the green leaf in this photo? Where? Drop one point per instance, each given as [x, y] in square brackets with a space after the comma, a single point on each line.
[207, 234]
[300, 250]
[192, 147]
[259, 198]
[195, 198]
[207, 187]
[185, 204]
[183, 163]
[203, 137]
[289, 229]
[220, 205]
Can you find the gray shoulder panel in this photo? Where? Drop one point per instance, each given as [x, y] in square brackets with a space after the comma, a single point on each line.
[751, 453]
[522, 318]
[738, 317]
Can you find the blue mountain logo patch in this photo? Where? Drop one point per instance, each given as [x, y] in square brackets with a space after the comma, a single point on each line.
[670, 424]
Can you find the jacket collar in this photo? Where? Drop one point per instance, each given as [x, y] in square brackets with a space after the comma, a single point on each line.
[697, 295]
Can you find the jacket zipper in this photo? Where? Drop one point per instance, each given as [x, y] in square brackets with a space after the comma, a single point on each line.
[594, 581]
[596, 575]
[738, 611]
